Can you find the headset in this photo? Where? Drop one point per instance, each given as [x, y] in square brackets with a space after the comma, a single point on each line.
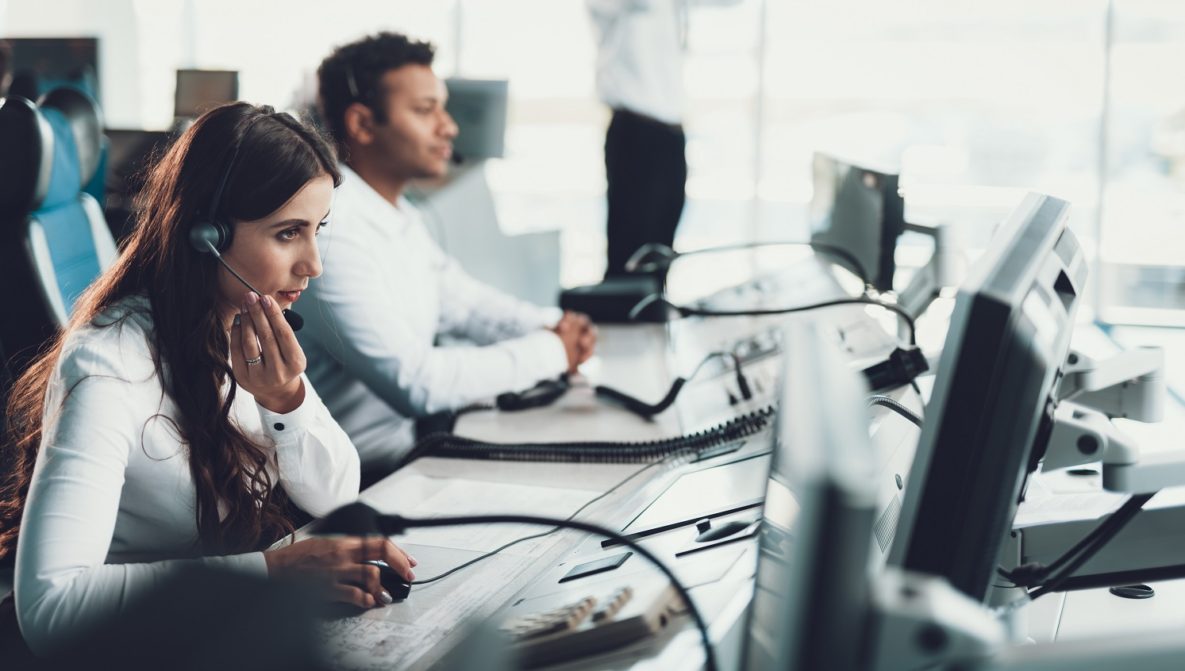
[213, 233]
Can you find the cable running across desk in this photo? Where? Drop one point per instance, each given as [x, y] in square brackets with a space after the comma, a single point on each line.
[571, 517]
[451, 446]
[688, 311]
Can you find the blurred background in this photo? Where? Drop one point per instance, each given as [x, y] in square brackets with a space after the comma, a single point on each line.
[974, 103]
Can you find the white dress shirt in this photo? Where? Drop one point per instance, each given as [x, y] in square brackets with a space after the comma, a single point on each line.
[640, 56]
[373, 317]
[111, 507]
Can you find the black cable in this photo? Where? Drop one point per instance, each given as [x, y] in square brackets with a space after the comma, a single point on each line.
[916, 388]
[1088, 547]
[579, 510]
[546, 392]
[895, 406]
[687, 311]
[1035, 574]
[449, 445]
[359, 519]
[668, 255]
[700, 623]
[647, 410]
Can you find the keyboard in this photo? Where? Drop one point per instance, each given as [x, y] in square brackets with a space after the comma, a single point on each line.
[578, 622]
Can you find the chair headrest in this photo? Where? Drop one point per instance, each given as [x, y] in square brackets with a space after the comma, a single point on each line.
[26, 162]
[86, 124]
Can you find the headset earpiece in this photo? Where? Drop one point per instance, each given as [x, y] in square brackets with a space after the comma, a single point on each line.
[215, 233]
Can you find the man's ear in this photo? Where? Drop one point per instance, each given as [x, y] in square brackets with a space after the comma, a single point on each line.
[359, 123]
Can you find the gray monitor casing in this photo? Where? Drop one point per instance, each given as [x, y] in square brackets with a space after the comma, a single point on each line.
[480, 107]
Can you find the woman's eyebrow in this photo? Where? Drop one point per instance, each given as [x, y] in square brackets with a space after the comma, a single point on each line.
[289, 222]
[297, 222]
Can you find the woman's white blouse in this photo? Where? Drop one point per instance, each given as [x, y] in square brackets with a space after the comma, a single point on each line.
[111, 507]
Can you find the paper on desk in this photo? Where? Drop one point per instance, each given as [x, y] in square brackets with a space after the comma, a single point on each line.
[477, 497]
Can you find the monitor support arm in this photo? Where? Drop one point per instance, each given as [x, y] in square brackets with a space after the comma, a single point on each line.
[1082, 435]
[1152, 545]
[1129, 385]
[921, 622]
[946, 268]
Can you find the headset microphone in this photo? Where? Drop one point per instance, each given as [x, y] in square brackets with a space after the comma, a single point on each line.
[213, 234]
[294, 320]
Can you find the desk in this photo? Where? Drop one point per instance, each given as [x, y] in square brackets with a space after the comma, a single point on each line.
[1096, 613]
[641, 360]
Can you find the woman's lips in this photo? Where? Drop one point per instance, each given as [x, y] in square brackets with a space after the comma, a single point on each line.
[288, 296]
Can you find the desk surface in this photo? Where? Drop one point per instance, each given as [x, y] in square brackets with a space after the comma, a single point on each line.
[641, 360]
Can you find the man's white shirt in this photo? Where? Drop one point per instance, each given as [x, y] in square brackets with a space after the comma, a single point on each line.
[373, 317]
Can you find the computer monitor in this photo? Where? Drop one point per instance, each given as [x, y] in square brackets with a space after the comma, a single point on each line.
[990, 413]
[479, 106]
[130, 154]
[41, 64]
[200, 90]
[810, 599]
[859, 210]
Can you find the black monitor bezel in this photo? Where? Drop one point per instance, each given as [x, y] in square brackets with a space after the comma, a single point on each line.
[886, 231]
[991, 409]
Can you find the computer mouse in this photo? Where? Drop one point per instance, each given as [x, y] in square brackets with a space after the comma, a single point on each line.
[394, 583]
[723, 531]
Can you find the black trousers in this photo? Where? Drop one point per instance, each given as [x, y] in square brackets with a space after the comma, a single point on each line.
[646, 167]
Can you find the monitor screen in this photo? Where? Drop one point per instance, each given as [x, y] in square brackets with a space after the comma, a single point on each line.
[991, 409]
[130, 153]
[41, 64]
[816, 542]
[859, 210]
[200, 90]
[479, 106]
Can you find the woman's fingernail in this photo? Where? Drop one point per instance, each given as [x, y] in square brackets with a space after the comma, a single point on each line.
[412, 560]
[267, 301]
[410, 576]
[385, 597]
[252, 297]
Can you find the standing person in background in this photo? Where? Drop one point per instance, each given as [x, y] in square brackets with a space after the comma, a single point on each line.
[389, 290]
[640, 77]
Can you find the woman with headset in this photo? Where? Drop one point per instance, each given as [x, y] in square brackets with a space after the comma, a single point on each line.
[171, 422]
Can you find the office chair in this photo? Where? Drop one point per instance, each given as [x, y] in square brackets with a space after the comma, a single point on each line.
[53, 239]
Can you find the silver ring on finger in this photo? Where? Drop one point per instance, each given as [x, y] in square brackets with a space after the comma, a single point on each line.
[252, 362]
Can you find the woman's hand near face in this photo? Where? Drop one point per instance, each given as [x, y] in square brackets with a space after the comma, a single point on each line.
[336, 566]
[266, 358]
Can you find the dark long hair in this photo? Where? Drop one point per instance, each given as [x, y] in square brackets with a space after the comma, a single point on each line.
[277, 156]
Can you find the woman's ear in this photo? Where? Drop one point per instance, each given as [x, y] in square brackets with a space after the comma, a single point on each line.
[359, 124]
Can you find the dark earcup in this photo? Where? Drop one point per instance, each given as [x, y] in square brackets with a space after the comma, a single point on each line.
[215, 233]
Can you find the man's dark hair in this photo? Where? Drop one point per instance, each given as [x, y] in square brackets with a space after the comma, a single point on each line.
[352, 73]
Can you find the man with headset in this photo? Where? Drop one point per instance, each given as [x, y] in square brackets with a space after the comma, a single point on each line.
[388, 290]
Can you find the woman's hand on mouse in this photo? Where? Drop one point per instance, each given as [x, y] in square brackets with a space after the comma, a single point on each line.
[266, 358]
[337, 565]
